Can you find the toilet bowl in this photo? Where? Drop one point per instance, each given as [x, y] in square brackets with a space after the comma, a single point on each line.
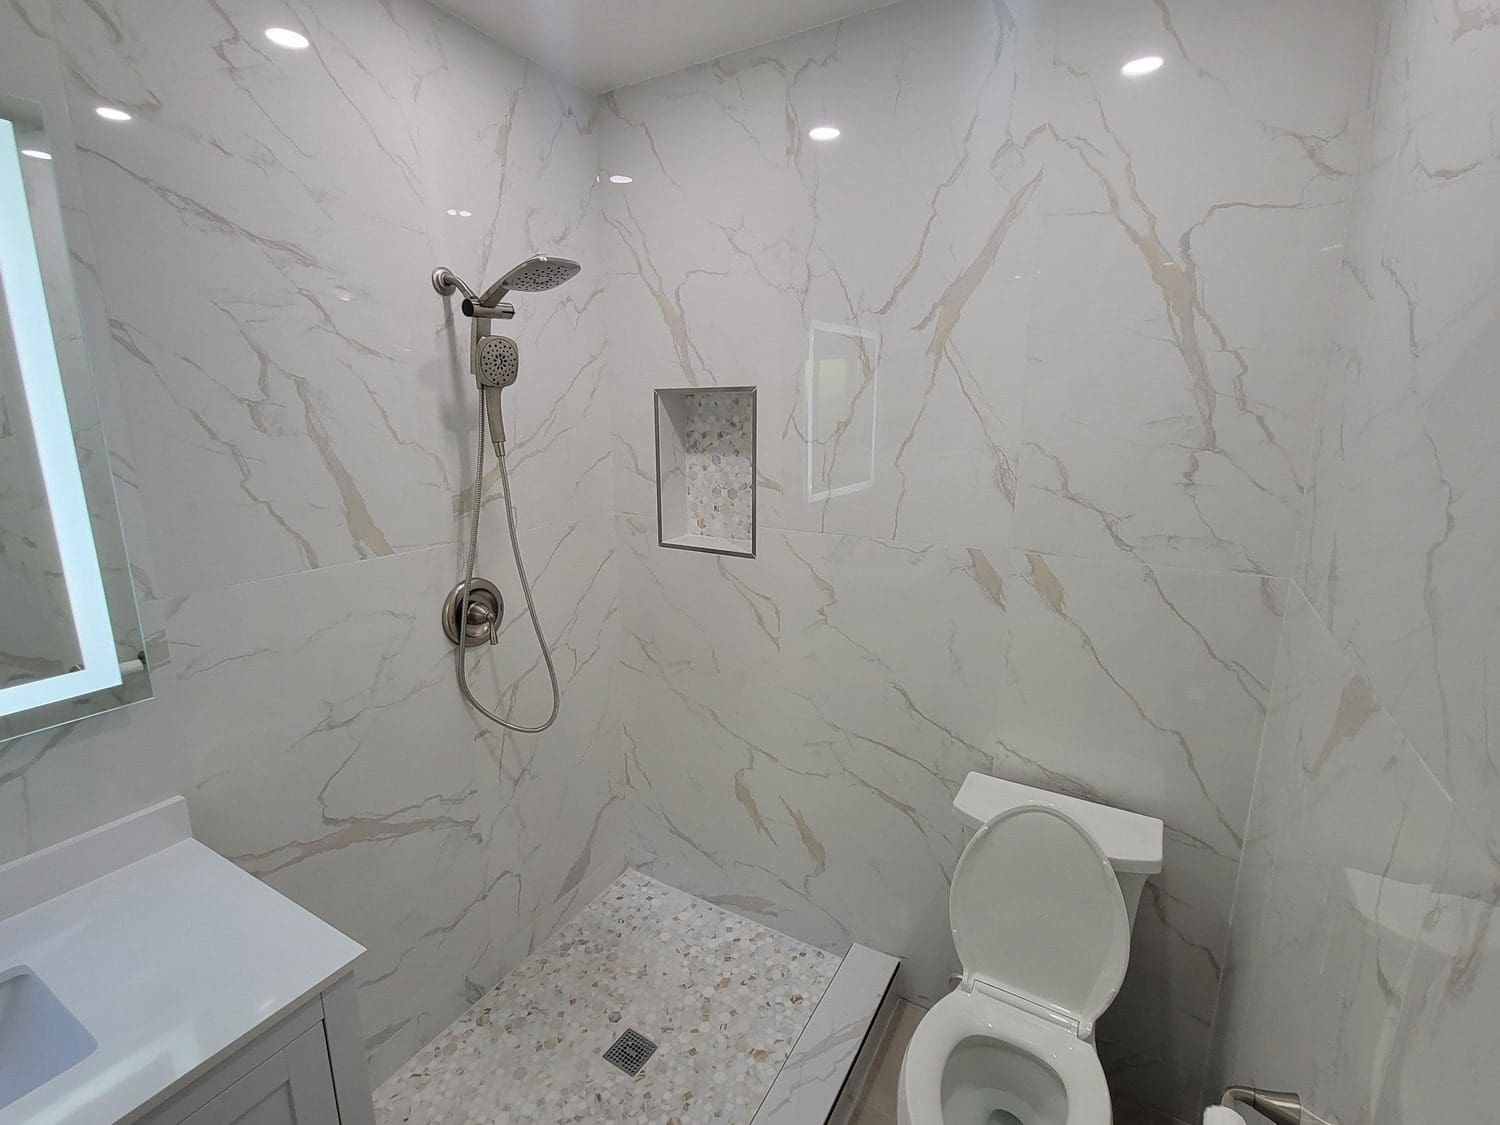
[1042, 929]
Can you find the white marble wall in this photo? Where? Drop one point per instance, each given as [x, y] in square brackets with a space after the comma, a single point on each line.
[1363, 967]
[1094, 319]
[302, 428]
[1091, 314]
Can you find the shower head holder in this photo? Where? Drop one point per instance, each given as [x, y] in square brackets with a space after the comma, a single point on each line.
[503, 311]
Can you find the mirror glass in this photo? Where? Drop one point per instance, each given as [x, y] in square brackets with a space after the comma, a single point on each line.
[70, 636]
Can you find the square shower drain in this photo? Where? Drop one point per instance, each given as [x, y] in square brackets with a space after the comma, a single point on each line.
[630, 1052]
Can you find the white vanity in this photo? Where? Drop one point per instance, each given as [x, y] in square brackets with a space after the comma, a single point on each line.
[145, 978]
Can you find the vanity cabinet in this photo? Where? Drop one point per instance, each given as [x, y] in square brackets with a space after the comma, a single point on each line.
[203, 997]
[307, 1068]
[292, 1087]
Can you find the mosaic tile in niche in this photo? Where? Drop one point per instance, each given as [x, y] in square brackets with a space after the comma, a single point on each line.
[720, 449]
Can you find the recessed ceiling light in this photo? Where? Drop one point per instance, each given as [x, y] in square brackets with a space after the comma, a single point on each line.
[453, 211]
[110, 113]
[465, 214]
[36, 154]
[286, 37]
[823, 133]
[1147, 64]
[617, 178]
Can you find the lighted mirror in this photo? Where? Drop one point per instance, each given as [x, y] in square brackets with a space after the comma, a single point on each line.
[70, 637]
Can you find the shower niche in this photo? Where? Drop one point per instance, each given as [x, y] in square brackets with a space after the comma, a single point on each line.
[705, 469]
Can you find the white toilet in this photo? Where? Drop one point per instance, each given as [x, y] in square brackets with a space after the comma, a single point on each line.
[1042, 903]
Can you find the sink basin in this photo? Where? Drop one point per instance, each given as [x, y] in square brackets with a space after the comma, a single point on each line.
[39, 1037]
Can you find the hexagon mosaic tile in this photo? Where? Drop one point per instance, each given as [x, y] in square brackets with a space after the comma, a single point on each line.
[724, 998]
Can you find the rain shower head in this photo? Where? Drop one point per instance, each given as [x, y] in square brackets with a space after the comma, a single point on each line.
[536, 274]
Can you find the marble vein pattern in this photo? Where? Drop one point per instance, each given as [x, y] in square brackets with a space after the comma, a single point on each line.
[1342, 849]
[1182, 301]
[723, 998]
[919, 253]
[302, 424]
[1401, 547]
[1130, 354]
[1078, 410]
[1363, 963]
[902, 668]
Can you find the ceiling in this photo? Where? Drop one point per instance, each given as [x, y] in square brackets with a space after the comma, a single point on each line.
[604, 44]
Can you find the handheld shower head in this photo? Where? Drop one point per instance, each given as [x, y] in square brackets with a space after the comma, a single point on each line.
[497, 361]
[536, 274]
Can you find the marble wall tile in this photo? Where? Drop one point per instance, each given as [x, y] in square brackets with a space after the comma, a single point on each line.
[912, 231]
[381, 778]
[1360, 962]
[1439, 1065]
[796, 727]
[298, 397]
[1346, 834]
[1193, 221]
[525, 165]
[1090, 318]
[265, 393]
[1400, 547]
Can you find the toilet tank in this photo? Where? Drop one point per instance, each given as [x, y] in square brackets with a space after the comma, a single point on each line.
[1131, 842]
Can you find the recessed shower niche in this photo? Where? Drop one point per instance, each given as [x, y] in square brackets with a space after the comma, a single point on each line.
[705, 469]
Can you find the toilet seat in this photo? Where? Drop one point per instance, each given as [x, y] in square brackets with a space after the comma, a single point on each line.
[962, 1016]
[1043, 935]
[1038, 918]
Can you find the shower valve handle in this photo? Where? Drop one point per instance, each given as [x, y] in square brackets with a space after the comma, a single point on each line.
[484, 617]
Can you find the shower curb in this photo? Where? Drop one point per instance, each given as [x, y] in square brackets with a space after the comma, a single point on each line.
[827, 1063]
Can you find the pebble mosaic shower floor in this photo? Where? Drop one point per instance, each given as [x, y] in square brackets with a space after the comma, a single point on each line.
[723, 997]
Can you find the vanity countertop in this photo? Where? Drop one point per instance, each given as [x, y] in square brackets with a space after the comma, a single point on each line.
[169, 955]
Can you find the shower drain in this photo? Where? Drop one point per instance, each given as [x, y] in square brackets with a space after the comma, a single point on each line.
[630, 1052]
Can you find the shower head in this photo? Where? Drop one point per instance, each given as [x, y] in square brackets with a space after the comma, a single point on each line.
[497, 361]
[535, 275]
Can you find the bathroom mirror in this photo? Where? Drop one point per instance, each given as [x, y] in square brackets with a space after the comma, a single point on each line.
[70, 636]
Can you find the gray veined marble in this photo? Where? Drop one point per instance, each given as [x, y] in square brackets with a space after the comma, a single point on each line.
[1367, 888]
[299, 429]
[1095, 314]
[1160, 474]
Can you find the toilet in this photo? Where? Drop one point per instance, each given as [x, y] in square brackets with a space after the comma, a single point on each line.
[1041, 907]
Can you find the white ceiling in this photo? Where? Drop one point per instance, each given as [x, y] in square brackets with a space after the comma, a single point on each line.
[604, 44]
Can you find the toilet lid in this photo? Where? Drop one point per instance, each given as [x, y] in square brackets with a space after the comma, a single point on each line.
[1036, 909]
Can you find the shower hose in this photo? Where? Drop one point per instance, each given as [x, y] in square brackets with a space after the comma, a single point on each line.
[515, 546]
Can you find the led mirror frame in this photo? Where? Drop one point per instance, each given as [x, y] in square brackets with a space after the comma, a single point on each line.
[52, 431]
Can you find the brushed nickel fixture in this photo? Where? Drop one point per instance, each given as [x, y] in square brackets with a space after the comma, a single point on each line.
[1280, 1107]
[474, 609]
